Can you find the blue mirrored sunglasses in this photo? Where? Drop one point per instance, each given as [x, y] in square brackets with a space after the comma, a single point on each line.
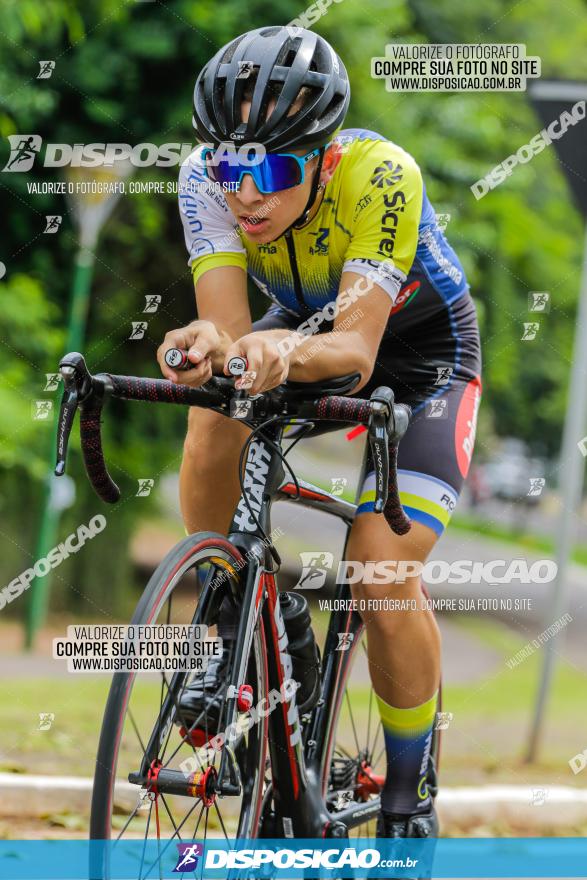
[276, 171]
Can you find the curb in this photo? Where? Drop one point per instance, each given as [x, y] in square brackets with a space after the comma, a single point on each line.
[37, 796]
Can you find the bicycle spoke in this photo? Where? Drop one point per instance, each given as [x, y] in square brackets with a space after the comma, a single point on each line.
[369, 719]
[145, 842]
[221, 820]
[136, 730]
[128, 821]
[169, 814]
[168, 844]
[348, 701]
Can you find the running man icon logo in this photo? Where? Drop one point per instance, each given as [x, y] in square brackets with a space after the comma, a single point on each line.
[245, 69]
[138, 329]
[152, 302]
[536, 486]
[144, 489]
[53, 223]
[436, 409]
[539, 301]
[42, 410]
[539, 796]
[23, 150]
[338, 485]
[530, 330]
[443, 720]
[46, 68]
[46, 719]
[187, 857]
[52, 383]
[442, 221]
[315, 568]
[443, 375]
[345, 641]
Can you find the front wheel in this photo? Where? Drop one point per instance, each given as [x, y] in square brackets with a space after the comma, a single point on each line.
[143, 738]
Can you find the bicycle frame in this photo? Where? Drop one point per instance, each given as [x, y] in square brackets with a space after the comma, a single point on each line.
[299, 770]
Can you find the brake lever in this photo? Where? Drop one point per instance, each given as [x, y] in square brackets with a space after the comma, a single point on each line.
[387, 425]
[379, 445]
[76, 387]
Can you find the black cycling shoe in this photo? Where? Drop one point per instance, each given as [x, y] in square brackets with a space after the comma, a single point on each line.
[203, 699]
[418, 825]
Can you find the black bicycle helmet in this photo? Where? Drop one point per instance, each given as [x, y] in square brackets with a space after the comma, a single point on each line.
[277, 62]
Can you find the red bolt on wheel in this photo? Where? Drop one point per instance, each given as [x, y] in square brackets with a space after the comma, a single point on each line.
[244, 700]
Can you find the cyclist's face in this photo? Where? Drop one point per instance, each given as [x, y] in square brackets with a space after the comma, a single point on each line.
[264, 217]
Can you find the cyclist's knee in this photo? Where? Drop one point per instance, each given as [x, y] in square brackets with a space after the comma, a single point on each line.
[211, 438]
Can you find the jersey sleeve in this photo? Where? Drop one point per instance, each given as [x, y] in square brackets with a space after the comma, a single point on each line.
[387, 216]
[209, 229]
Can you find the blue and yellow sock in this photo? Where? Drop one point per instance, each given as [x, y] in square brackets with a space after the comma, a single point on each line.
[408, 737]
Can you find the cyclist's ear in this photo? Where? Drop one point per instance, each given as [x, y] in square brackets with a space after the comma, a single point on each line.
[332, 157]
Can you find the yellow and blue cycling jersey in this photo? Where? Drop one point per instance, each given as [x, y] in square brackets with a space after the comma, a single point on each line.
[375, 209]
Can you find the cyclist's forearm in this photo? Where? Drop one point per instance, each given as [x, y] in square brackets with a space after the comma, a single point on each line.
[324, 355]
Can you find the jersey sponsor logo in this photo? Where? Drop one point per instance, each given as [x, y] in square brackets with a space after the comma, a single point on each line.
[267, 248]
[362, 203]
[387, 174]
[466, 424]
[389, 220]
[321, 244]
[405, 296]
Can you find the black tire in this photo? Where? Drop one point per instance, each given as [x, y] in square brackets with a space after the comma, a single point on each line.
[121, 744]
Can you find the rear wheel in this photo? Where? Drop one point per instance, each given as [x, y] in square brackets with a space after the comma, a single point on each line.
[143, 735]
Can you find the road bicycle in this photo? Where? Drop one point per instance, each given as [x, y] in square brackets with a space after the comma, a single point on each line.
[283, 776]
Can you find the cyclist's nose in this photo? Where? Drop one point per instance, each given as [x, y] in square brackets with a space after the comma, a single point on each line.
[248, 194]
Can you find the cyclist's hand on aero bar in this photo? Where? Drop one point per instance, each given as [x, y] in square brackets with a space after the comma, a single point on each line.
[200, 340]
[265, 364]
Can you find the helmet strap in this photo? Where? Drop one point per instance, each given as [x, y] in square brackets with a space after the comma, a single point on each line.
[303, 218]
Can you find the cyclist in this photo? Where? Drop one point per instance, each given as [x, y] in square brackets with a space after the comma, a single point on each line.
[329, 216]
